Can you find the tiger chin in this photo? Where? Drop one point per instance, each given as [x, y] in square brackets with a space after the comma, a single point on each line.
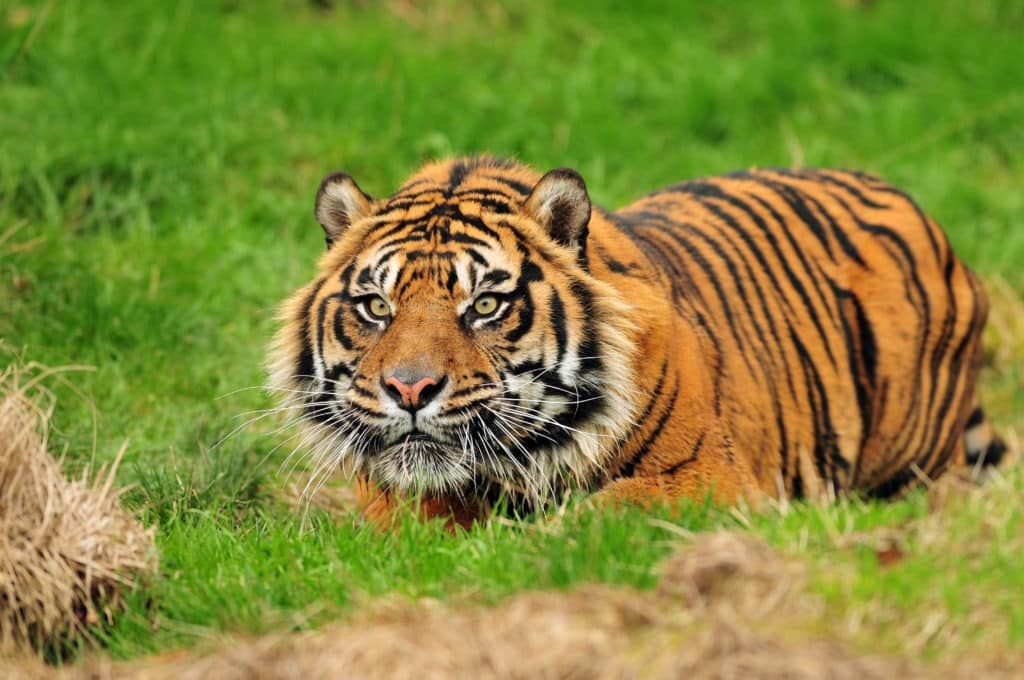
[487, 332]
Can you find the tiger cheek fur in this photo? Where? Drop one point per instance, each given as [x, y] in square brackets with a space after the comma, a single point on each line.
[485, 330]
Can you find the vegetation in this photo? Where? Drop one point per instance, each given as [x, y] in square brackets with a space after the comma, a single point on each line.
[157, 169]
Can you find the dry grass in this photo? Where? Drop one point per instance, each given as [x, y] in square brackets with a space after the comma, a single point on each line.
[1003, 375]
[336, 497]
[66, 547]
[1004, 333]
[728, 606]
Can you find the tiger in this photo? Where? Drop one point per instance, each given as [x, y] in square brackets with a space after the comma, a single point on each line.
[486, 334]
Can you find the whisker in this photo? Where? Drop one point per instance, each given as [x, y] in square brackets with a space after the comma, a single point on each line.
[548, 420]
[574, 402]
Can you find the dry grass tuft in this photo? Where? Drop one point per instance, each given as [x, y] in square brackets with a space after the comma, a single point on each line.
[731, 573]
[66, 547]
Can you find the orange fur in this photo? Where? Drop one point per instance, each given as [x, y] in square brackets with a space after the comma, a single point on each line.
[797, 333]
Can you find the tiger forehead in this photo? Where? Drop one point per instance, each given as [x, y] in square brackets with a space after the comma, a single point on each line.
[473, 185]
[441, 231]
[445, 230]
[437, 260]
[422, 202]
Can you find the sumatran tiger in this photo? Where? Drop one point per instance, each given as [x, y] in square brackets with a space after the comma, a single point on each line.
[486, 331]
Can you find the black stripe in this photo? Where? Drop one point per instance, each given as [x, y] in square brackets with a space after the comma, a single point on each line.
[520, 188]
[738, 333]
[991, 455]
[305, 367]
[798, 251]
[862, 356]
[496, 276]
[895, 484]
[457, 174]
[826, 177]
[466, 391]
[629, 468]
[976, 418]
[337, 371]
[362, 391]
[556, 317]
[404, 189]
[938, 251]
[795, 200]
[476, 256]
[694, 453]
[738, 282]
[918, 299]
[825, 454]
[794, 282]
[529, 273]
[955, 386]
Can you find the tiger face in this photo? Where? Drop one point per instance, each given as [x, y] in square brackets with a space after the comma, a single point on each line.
[454, 339]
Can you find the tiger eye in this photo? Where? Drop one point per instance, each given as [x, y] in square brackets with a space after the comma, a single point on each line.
[485, 305]
[378, 307]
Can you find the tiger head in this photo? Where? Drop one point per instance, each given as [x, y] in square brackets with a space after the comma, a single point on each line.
[453, 338]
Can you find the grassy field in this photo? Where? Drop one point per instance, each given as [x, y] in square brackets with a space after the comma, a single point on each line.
[157, 168]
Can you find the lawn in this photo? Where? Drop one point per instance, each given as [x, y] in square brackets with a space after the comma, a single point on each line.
[158, 162]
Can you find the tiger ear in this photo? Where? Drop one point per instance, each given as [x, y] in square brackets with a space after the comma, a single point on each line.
[560, 203]
[339, 203]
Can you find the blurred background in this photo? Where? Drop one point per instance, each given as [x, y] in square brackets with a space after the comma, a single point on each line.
[158, 161]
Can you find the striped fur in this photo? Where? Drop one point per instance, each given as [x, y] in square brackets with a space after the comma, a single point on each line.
[790, 333]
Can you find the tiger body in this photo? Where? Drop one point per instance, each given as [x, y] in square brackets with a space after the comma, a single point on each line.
[767, 333]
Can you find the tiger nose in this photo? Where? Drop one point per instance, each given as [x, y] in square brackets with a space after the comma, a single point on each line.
[413, 393]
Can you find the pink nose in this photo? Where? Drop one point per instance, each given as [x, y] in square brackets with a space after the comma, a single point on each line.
[415, 395]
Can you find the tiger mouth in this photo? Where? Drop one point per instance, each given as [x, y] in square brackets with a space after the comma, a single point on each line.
[420, 462]
[420, 438]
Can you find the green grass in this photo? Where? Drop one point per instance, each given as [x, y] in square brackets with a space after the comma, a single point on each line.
[270, 570]
[157, 169]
